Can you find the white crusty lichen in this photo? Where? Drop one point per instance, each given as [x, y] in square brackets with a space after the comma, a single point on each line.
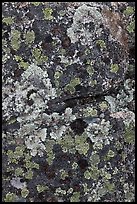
[84, 15]
[99, 132]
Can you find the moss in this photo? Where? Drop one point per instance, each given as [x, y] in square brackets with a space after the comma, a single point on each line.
[24, 192]
[8, 20]
[81, 144]
[19, 171]
[41, 188]
[90, 70]
[129, 134]
[71, 86]
[10, 197]
[75, 197]
[114, 68]
[29, 174]
[15, 39]
[29, 37]
[48, 13]
[129, 11]
[101, 43]
[131, 27]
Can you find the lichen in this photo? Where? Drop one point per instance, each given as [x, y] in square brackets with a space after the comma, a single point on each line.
[81, 144]
[41, 188]
[129, 135]
[48, 13]
[114, 68]
[131, 27]
[75, 197]
[71, 86]
[15, 39]
[129, 11]
[24, 192]
[101, 43]
[8, 20]
[29, 37]
[10, 197]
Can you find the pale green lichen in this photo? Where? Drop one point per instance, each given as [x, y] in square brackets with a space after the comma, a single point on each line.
[8, 20]
[49, 150]
[129, 134]
[114, 68]
[74, 165]
[19, 171]
[36, 3]
[48, 13]
[24, 192]
[101, 43]
[29, 37]
[81, 144]
[131, 27]
[57, 76]
[15, 39]
[92, 173]
[60, 191]
[75, 197]
[109, 186]
[29, 174]
[89, 111]
[67, 143]
[63, 174]
[92, 82]
[90, 70]
[103, 105]
[10, 197]
[38, 57]
[129, 11]
[41, 188]
[21, 62]
[94, 159]
[71, 86]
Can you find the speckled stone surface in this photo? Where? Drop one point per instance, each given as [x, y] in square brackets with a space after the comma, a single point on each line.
[68, 101]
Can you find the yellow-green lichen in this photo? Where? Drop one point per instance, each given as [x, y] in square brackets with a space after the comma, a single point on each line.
[29, 174]
[67, 143]
[129, 134]
[129, 11]
[38, 57]
[103, 105]
[90, 70]
[109, 155]
[19, 171]
[21, 62]
[81, 144]
[101, 43]
[75, 197]
[131, 27]
[110, 187]
[48, 13]
[41, 188]
[63, 174]
[29, 37]
[94, 159]
[10, 197]
[71, 86]
[49, 151]
[114, 68]
[36, 3]
[74, 165]
[15, 39]
[92, 173]
[89, 111]
[24, 192]
[8, 20]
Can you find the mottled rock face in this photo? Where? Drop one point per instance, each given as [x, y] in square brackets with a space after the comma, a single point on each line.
[68, 101]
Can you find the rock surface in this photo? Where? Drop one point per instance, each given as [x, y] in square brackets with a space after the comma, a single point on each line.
[68, 101]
